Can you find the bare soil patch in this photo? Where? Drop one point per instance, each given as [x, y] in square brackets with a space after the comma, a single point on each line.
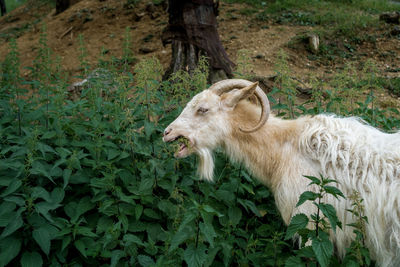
[103, 24]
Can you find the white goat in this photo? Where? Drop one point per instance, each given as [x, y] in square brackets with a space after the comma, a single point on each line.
[279, 152]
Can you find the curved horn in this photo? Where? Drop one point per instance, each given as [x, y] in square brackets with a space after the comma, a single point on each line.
[226, 85]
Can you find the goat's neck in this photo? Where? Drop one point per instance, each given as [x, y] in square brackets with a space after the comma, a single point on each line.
[267, 152]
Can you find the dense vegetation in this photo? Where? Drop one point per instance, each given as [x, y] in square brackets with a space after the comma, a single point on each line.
[340, 17]
[86, 180]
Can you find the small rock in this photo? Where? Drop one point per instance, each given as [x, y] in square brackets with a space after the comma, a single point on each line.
[99, 76]
[136, 17]
[88, 18]
[154, 15]
[150, 7]
[146, 50]
[395, 31]
[148, 38]
[390, 17]
[313, 40]
[260, 56]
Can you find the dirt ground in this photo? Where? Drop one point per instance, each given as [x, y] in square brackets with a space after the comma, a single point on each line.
[103, 23]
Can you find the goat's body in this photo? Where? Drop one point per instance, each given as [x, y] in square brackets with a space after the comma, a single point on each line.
[359, 157]
[280, 152]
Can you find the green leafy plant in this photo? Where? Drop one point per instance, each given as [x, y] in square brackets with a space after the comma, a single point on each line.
[357, 253]
[320, 223]
[285, 82]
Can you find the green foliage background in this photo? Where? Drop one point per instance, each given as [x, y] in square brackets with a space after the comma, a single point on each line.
[88, 181]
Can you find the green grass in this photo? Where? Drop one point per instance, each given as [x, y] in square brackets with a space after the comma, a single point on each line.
[13, 4]
[341, 18]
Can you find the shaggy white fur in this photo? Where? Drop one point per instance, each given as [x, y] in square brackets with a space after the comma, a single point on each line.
[359, 157]
[367, 160]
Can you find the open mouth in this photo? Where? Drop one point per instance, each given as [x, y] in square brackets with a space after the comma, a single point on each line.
[183, 146]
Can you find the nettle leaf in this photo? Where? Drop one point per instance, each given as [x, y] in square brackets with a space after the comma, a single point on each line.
[167, 207]
[211, 254]
[138, 211]
[226, 196]
[12, 187]
[43, 238]
[63, 152]
[49, 135]
[9, 249]
[181, 236]
[124, 221]
[112, 153]
[43, 148]
[17, 200]
[247, 204]
[74, 210]
[137, 226]
[31, 259]
[211, 210]
[14, 224]
[314, 180]
[323, 248]
[235, 215]
[57, 195]
[151, 214]
[307, 195]
[6, 218]
[247, 188]
[81, 247]
[306, 252]
[4, 180]
[6, 213]
[365, 253]
[85, 231]
[146, 183]
[352, 263]
[66, 176]
[149, 128]
[40, 192]
[208, 231]
[195, 256]
[329, 211]
[333, 191]
[145, 261]
[122, 196]
[65, 242]
[294, 262]
[297, 223]
[39, 169]
[116, 255]
[189, 217]
[129, 239]
[44, 208]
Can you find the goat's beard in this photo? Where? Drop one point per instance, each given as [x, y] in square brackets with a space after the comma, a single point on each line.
[206, 164]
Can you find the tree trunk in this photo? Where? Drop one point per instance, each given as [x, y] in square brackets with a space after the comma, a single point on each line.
[61, 6]
[3, 9]
[192, 32]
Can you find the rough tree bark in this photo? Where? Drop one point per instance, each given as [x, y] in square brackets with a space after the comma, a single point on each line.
[62, 5]
[192, 32]
[3, 9]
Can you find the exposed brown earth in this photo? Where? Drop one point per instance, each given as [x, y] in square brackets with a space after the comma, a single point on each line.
[103, 23]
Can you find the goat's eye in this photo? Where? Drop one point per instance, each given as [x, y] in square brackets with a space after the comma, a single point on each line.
[202, 110]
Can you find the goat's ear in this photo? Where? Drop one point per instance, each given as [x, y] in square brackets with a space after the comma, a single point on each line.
[233, 97]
